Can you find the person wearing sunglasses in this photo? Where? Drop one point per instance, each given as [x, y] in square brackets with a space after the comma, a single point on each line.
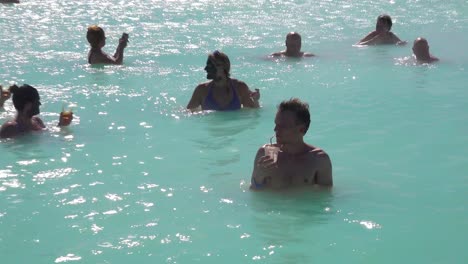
[222, 93]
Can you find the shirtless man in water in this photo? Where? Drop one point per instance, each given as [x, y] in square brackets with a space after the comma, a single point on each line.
[297, 163]
[382, 34]
[293, 47]
[27, 102]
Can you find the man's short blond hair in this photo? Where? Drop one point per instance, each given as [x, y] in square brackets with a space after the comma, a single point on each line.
[95, 35]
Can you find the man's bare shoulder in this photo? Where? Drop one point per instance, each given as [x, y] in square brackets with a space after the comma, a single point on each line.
[318, 153]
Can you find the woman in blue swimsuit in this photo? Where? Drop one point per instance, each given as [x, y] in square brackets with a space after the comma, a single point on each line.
[222, 93]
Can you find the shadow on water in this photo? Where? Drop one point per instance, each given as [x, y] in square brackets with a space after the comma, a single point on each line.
[282, 216]
[24, 147]
[286, 220]
[223, 127]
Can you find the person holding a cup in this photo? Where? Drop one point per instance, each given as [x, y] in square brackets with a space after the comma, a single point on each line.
[27, 102]
[4, 95]
[291, 162]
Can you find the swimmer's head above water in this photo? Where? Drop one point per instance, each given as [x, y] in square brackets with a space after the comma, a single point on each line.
[24, 95]
[219, 59]
[96, 36]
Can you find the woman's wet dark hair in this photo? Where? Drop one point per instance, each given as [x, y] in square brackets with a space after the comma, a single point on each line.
[22, 95]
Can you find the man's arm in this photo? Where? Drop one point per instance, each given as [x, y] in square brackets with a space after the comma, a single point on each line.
[387, 38]
[367, 38]
[119, 52]
[258, 177]
[323, 176]
[396, 40]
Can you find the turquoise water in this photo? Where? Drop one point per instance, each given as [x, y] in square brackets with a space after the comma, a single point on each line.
[138, 179]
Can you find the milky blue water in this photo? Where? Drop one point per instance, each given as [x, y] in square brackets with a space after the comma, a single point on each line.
[137, 179]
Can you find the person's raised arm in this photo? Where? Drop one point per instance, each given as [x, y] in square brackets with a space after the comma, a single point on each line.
[119, 52]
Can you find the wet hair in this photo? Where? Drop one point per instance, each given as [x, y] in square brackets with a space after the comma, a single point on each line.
[293, 35]
[22, 95]
[421, 48]
[221, 59]
[95, 35]
[419, 41]
[299, 108]
[387, 19]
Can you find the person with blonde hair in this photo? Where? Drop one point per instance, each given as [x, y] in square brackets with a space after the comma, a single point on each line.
[97, 39]
[222, 93]
[5, 94]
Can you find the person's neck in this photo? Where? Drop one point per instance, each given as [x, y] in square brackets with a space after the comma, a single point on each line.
[382, 31]
[294, 148]
[24, 121]
[221, 81]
